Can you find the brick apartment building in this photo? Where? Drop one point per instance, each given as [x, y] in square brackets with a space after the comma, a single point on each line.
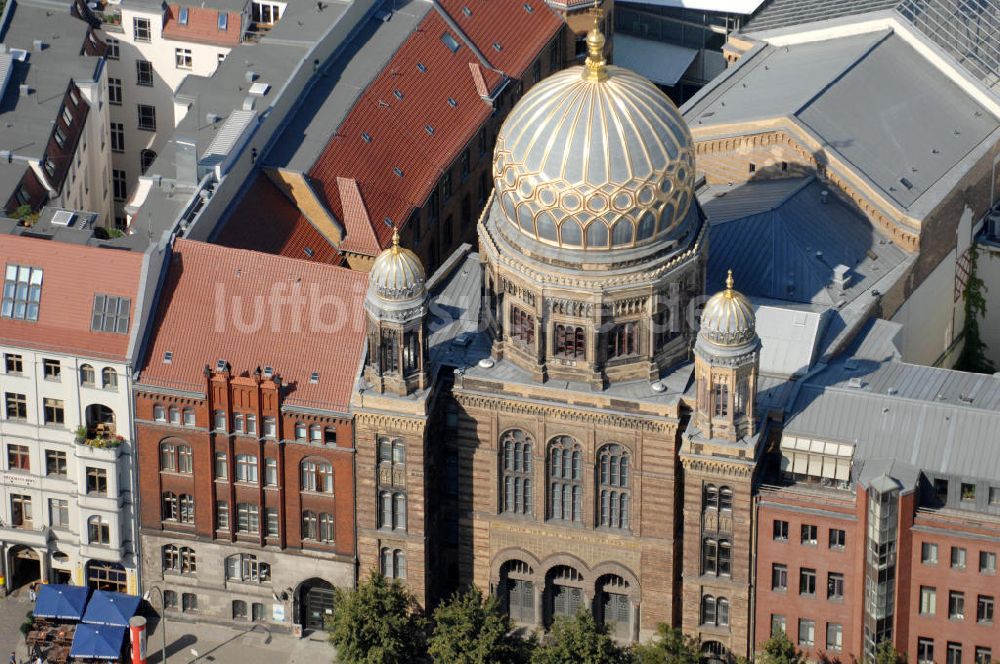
[245, 440]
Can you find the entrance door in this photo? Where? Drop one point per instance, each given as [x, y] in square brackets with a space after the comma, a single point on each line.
[521, 600]
[566, 601]
[25, 566]
[317, 603]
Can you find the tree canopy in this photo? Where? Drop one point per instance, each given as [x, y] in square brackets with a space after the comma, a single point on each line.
[670, 646]
[579, 640]
[469, 629]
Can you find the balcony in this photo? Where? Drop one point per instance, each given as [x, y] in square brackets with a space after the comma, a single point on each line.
[99, 442]
[108, 14]
[34, 536]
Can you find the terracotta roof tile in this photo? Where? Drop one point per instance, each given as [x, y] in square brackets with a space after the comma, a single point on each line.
[223, 303]
[265, 220]
[202, 26]
[360, 238]
[71, 276]
[519, 33]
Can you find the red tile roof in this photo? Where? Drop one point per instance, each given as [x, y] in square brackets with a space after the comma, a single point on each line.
[359, 237]
[72, 275]
[202, 26]
[265, 220]
[240, 306]
[423, 109]
[520, 33]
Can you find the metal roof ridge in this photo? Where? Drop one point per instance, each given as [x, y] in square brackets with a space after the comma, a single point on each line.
[888, 32]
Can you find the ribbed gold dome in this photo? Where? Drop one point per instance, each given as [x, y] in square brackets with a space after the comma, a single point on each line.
[594, 157]
[397, 273]
[728, 318]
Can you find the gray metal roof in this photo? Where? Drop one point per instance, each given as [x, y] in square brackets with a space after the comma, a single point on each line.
[26, 121]
[786, 13]
[783, 243]
[865, 98]
[934, 419]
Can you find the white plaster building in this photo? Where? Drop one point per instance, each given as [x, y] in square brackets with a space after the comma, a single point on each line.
[67, 481]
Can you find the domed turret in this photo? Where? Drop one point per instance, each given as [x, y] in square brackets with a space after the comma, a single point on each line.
[728, 318]
[397, 274]
[594, 158]
[396, 306]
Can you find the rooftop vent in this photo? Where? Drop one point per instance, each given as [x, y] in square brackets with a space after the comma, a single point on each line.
[24, 89]
[387, 221]
[487, 363]
[308, 251]
[966, 398]
[497, 46]
[259, 89]
[856, 383]
[220, 365]
[452, 102]
[63, 218]
[250, 76]
[268, 371]
[906, 183]
[658, 387]
[528, 8]
[429, 129]
[824, 196]
[398, 94]
[38, 45]
[891, 391]
[212, 118]
[398, 171]
[841, 278]
[366, 137]
[168, 356]
[314, 377]
[422, 67]
[249, 103]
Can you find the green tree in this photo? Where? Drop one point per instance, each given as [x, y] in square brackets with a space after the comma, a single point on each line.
[886, 653]
[377, 623]
[579, 640]
[670, 646]
[779, 650]
[973, 356]
[471, 630]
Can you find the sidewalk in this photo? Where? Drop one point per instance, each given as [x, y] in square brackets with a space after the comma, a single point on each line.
[212, 644]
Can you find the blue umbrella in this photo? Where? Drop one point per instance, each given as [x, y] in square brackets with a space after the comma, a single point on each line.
[109, 608]
[97, 641]
[61, 602]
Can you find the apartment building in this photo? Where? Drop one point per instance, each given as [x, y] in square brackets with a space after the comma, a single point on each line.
[878, 517]
[151, 48]
[67, 494]
[246, 445]
[54, 141]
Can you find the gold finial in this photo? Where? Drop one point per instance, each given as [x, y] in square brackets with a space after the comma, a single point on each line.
[596, 67]
[729, 285]
[395, 240]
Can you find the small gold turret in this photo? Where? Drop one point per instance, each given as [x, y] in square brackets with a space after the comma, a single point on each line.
[596, 67]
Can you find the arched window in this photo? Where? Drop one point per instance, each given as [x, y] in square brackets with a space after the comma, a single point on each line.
[186, 503]
[170, 510]
[568, 342]
[159, 414]
[326, 527]
[300, 431]
[399, 511]
[717, 557]
[389, 352]
[189, 420]
[613, 476]
[714, 611]
[722, 612]
[175, 416]
[310, 525]
[109, 378]
[710, 497]
[623, 340]
[393, 562]
[317, 476]
[171, 558]
[725, 498]
[713, 652]
[411, 351]
[239, 609]
[565, 473]
[146, 159]
[316, 433]
[707, 610]
[516, 448]
[385, 509]
[522, 326]
[180, 560]
[721, 400]
[725, 557]
[87, 375]
[98, 531]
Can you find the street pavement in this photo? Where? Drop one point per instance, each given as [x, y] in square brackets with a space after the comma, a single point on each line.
[190, 643]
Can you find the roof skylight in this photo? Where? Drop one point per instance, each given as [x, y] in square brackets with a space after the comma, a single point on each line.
[22, 292]
[450, 42]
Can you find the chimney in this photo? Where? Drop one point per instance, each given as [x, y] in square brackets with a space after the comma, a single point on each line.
[25, 89]
[841, 278]
[186, 161]
[38, 45]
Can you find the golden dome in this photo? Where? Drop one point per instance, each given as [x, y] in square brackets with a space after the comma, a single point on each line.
[728, 318]
[397, 274]
[594, 157]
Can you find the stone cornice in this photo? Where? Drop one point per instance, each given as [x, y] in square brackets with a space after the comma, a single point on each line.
[388, 421]
[602, 418]
[720, 466]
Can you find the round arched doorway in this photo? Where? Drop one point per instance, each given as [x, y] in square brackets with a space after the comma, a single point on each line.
[713, 652]
[315, 603]
[24, 564]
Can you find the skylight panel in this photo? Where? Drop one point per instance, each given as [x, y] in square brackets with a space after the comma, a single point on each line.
[223, 21]
[422, 67]
[452, 102]
[450, 42]
[182, 16]
[22, 292]
[111, 314]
